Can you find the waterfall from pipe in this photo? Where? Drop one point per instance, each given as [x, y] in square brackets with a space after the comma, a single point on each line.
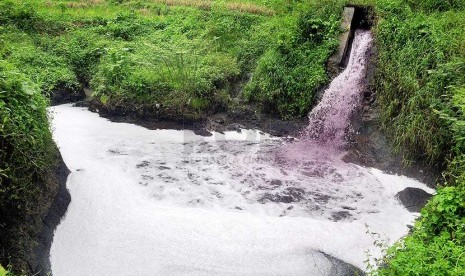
[330, 119]
[170, 202]
[329, 122]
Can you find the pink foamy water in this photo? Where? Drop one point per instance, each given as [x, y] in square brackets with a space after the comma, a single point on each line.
[329, 122]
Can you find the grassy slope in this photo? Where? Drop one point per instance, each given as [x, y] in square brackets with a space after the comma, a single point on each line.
[27, 155]
[180, 58]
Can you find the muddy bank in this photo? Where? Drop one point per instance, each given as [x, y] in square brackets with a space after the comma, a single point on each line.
[340, 268]
[40, 263]
[245, 116]
[370, 146]
[27, 240]
[64, 94]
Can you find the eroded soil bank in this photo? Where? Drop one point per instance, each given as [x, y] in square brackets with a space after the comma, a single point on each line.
[371, 147]
[40, 264]
[243, 117]
[34, 235]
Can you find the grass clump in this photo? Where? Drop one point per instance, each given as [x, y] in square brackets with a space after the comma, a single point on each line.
[292, 68]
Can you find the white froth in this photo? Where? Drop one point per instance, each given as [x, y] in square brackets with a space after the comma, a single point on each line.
[168, 202]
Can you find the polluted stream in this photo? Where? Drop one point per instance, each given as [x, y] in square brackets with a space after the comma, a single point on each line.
[170, 202]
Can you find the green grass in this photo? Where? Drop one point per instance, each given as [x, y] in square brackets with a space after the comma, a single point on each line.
[420, 64]
[27, 155]
[163, 55]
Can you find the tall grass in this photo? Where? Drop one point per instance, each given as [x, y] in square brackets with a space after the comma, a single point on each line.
[419, 84]
[419, 65]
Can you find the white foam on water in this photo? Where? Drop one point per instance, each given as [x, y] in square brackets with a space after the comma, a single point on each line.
[142, 204]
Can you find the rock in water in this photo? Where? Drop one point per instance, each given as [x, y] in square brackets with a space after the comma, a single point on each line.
[413, 198]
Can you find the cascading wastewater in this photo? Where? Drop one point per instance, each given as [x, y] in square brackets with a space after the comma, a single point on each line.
[169, 202]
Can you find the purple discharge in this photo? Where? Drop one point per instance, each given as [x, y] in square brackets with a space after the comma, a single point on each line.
[329, 122]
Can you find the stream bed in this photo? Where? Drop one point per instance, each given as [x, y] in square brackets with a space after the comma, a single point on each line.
[170, 202]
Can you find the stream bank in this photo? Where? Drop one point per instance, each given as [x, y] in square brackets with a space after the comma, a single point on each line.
[60, 199]
[33, 236]
[243, 117]
[371, 146]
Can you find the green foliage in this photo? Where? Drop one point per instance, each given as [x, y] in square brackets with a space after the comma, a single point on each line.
[23, 16]
[47, 70]
[140, 54]
[292, 69]
[7, 271]
[436, 247]
[419, 82]
[82, 50]
[437, 5]
[27, 153]
[419, 61]
[124, 26]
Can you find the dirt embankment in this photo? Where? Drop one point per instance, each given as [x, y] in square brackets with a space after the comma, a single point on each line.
[40, 262]
[244, 116]
[370, 146]
[28, 240]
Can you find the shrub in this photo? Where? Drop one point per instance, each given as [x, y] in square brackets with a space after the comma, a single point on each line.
[290, 72]
[436, 245]
[125, 26]
[82, 50]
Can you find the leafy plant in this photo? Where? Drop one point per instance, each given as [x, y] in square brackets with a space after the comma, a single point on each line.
[27, 153]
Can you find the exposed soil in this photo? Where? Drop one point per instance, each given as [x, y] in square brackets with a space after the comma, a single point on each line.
[29, 239]
[340, 268]
[63, 94]
[245, 116]
[371, 147]
[40, 264]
